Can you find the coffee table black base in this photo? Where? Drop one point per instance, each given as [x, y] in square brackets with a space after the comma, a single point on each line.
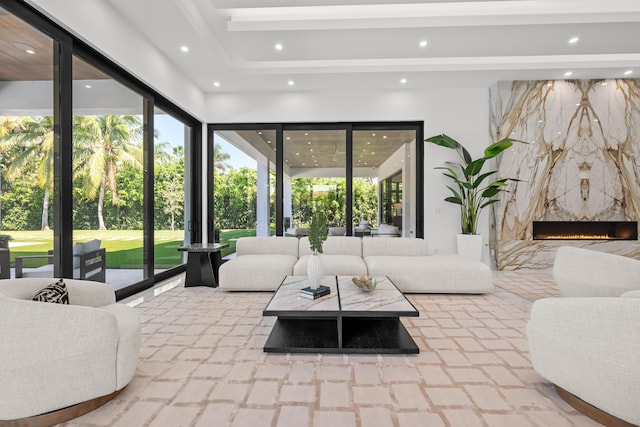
[359, 336]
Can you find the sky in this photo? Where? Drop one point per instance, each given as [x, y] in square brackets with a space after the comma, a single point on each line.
[172, 131]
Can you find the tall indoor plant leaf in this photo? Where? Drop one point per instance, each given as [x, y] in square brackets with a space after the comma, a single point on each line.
[473, 193]
[317, 231]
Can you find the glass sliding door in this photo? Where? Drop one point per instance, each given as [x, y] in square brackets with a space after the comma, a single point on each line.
[385, 181]
[314, 173]
[171, 142]
[342, 168]
[26, 149]
[243, 165]
[108, 196]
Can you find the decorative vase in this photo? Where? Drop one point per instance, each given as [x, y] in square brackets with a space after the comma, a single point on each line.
[470, 246]
[314, 270]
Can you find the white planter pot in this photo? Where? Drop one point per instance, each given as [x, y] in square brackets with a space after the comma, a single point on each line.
[470, 246]
[314, 271]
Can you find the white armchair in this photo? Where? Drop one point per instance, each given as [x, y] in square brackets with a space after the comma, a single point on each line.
[588, 348]
[67, 359]
[582, 272]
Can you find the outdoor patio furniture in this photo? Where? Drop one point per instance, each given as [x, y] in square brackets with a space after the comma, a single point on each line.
[89, 261]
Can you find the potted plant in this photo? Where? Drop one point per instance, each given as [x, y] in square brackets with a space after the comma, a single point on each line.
[471, 191]
[317, 236]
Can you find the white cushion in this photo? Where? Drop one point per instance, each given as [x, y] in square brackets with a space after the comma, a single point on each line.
[587, 273]
[432, 274]
[267, 245]
[256, 272]
[78, 248]
[402, 246]
[91, 245]
[334, 265]
[631, 294]
[334, 245]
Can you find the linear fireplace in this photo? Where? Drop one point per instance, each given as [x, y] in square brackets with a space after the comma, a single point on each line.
[585, 230]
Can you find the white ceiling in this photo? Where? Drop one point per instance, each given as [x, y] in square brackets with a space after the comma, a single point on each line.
[373, 44]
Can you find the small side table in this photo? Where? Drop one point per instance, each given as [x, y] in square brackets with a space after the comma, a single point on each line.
[203, 262]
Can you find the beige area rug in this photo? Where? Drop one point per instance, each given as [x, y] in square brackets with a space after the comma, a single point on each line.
[202, 364]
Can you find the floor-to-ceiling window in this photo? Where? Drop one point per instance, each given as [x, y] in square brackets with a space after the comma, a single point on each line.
[171, 141]
[338, 167]
[315, 177]
[108, 172]
[242, 167]
[89, 155]
[385, 180]
[26, 145]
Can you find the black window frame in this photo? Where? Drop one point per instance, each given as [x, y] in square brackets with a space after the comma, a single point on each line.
[66, 46]
[349, 127]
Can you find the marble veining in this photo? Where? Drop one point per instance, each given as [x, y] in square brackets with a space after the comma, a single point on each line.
[384, 298]
[345, 296]
[581, 161]
[288, 298]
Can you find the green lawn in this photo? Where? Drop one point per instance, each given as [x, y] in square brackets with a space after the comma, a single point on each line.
[124, 247]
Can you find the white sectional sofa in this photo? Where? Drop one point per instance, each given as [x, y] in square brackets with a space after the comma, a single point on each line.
[262, 262]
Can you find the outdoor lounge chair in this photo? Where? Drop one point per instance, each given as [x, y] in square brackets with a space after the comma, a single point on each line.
[89, 261]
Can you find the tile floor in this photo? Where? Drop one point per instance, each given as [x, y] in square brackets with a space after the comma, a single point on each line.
[202, 364]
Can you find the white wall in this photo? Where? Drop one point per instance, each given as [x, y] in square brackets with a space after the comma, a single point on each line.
[460, 113]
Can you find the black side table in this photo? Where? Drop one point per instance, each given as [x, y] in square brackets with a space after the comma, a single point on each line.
[203, 261]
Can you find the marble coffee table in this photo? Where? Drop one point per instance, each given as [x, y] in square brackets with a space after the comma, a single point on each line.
[348, 320]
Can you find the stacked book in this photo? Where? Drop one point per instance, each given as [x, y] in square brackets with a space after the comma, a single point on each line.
[315, 293]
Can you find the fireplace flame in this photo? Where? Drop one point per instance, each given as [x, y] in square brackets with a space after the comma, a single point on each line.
[576, 237]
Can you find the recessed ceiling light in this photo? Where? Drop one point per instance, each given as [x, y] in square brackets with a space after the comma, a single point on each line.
[288, 138]
[403, 81]
[185, 49]
[373, 134]
[87, 86]
[290, 82]
[384, 137]
[423, 43]
[216, 84]
[626, 73]
[308, 142]
[278, 46]
[568, 73]
[573, 40]
[27, 48]
[603, 84]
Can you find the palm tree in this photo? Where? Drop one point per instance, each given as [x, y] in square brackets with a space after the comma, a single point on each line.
[220, 158]
[102, 144]
[33, 139]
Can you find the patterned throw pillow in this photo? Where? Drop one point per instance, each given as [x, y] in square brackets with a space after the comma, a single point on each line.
[55, 292]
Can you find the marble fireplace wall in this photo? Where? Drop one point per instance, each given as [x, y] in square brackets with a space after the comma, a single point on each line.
[581, 162]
